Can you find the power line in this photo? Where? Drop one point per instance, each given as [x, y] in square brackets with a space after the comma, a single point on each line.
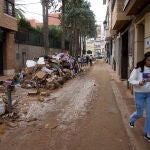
[40, 14]
[33, 13]
[17, 4]
[50, 16]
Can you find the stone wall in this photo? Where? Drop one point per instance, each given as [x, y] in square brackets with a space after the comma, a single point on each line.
[28, 52]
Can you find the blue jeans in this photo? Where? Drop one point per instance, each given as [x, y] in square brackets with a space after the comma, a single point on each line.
[140, 100]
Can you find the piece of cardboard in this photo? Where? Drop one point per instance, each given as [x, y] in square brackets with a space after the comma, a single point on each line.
[40, 74]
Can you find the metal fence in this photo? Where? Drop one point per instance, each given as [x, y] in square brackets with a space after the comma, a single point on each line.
[36, 39]
[30, 38]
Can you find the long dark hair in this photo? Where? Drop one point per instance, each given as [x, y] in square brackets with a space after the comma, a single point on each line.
[142, 63]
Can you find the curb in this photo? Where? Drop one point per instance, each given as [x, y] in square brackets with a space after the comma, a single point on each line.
[125, 116]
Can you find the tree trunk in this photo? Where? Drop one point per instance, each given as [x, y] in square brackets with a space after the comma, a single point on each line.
[80, 43]
[77, 44]
[70, 44]
[63, 26]
[45, 26]
[84, 45]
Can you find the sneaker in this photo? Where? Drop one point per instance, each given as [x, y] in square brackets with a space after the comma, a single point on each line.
[131, 124]
[147, 138]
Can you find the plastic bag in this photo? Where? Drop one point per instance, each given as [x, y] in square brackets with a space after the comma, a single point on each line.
[30, 63]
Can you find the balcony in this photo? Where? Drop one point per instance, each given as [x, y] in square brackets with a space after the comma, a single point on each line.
[108, 30]
[119, 18]
[132, 7]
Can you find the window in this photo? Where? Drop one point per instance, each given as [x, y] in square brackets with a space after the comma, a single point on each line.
[113, 4]
[1, 34]
[104, 2]
[9, 7]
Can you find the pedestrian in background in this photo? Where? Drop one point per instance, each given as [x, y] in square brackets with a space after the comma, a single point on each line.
[87, 59]
[90, 59]
[141, 88]
[79, 61]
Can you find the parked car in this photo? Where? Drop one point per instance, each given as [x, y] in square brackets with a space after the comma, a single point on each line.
[99, 56]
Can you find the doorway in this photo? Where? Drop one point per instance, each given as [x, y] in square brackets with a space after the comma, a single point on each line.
[1, 58]
[23, 59]
[124, 56]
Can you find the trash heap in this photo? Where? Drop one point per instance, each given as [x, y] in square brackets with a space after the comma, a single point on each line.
[48, 72]
[3, 98]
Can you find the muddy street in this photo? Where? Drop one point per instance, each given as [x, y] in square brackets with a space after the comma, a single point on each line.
[83, 115]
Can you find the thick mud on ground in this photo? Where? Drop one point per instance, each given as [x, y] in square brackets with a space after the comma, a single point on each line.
[62, 108]
[70, 101]
[82, 115]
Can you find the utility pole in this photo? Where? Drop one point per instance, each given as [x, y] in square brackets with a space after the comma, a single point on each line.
[45, 26]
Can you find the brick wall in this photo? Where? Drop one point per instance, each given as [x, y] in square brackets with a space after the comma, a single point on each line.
[8, 57]
[9, 25]
[7, 21]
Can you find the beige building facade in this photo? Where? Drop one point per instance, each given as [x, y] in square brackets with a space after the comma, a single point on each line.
[94, 44]
[90, 46]
[142, 36]
[129, 33]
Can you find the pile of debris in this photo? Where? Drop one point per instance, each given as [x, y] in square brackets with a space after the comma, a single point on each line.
[48, 72]
[3, 98]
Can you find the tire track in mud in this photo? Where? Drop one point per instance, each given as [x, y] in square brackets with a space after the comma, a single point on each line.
[78, 96]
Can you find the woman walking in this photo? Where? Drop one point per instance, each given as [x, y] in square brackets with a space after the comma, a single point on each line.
[140, 79]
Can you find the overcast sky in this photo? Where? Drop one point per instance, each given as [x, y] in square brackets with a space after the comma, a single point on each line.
[33, 9]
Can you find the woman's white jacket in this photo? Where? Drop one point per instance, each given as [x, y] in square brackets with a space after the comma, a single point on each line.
[137, 76]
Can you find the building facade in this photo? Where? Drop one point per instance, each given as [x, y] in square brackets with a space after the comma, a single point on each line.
[127, 31]
[53, 19]
[90, 46]
[140, 24]
[8, 26]
[95, 45]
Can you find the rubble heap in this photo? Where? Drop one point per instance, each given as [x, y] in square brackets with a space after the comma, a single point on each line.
[48, 72]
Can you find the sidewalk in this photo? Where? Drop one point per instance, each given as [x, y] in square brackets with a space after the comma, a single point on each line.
[125, 102]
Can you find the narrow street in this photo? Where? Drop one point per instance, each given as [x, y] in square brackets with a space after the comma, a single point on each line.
[83, 115]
